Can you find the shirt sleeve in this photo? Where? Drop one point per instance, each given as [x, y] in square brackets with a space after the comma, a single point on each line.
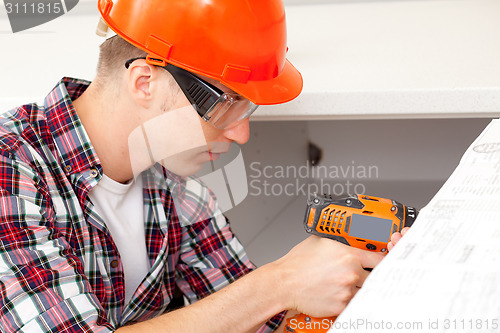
[42, 285]
[211, 258]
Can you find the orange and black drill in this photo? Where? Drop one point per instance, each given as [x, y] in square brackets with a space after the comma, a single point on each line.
[360, 221]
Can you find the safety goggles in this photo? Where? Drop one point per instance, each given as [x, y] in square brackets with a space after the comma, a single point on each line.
[221, 109]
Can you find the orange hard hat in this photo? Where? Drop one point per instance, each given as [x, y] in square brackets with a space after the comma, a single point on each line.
[241, 43]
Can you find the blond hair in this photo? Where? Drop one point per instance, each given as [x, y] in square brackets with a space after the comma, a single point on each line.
[114, 52]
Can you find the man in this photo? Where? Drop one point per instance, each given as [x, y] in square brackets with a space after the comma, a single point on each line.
[99, 217]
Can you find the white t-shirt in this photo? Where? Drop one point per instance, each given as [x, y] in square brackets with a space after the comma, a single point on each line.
[122, 208]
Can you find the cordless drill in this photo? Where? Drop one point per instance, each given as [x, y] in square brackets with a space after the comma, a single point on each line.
[360, 221]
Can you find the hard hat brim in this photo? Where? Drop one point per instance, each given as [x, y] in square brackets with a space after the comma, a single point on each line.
[283, 88]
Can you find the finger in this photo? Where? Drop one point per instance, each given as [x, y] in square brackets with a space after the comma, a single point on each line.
[355, 290]
[362, 277]
[403, 232]
[370, 259]
[395, 237]
[390, 246]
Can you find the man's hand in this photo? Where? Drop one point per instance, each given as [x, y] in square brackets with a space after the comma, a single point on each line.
[395, 238]
[320, 276]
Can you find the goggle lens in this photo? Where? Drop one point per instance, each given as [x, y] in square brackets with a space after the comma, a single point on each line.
[228, 110]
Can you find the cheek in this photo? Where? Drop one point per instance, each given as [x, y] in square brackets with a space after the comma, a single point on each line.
[176, 132]
[211, 133]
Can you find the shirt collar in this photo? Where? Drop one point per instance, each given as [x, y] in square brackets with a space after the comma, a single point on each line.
[72, 142]
[193, 201]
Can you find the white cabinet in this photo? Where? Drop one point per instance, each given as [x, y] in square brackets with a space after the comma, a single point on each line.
[394, 59]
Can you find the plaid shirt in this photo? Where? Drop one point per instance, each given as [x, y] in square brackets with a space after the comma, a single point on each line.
[60, 270]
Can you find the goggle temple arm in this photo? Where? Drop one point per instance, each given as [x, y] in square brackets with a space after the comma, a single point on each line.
[200, 94]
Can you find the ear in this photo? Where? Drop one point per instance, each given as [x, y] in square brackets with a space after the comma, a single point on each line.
[141, 77]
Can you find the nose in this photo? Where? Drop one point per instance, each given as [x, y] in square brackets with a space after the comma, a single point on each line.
[239, 133]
